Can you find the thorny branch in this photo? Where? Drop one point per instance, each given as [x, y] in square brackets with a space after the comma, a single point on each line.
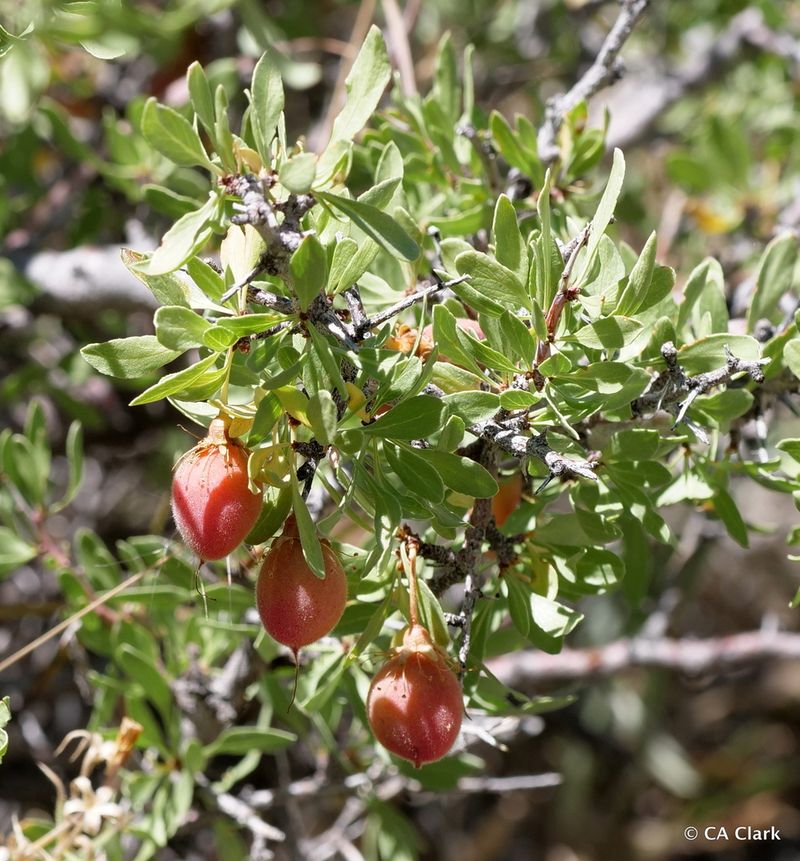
[509, 434]
[674, 391]
[606, 69]
[641, 100]
[257, 209]
[524, 670]
[369, 323]
[564, 294]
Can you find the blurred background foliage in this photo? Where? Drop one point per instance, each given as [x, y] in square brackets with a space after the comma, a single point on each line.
[707, 115]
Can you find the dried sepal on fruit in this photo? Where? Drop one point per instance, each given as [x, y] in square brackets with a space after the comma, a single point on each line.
[212, 501]
[297, 607]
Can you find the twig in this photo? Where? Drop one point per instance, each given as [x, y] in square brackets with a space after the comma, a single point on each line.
[509, 435]
[642, 100]
[511, 783]
[525, 669]
[674, 391]
[606, 69]
[384, 316]
[62, 626]
[259, 210]
[282, 304]
[355, 304]
[564, 294]
[319, 137]
[243, 814]
[397, 34]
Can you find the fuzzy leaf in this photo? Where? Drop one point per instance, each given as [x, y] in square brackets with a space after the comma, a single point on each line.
[129, 357]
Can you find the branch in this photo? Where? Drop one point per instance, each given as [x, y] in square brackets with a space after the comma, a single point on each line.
[508, 437]
[246, 816]
[508, 434]
[526, 669]
[674, 391]
[259, 210]
[606, 69]
[361, 329]
[565, 293]
[641, 100]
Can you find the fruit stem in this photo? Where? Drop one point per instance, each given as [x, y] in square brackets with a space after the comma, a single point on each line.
[408, 553]
[223, 392]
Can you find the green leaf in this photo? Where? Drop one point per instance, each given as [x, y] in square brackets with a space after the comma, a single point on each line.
[5, 717]
[704, 292]
[791, 357]
[249, 324]
[791, 447]
[268, 412]
[324, 354]
[720, 408]
[240, 740]
[414, 472]
[298, 173]
[276, 508]
[74, 451]
[266, 104]
[610, 378]
[604, 212]
[188, 235]
[461, 473]
[774, 278]
[508, 334]
[509, 246]
[609, 333]
[9, 40]
[321, 412]
[202, 98]
[543, 621]
[445, 79]
[635, 444]
[308, 267]
[95, 559]
[376, 224]
[139, 667]
[168, 289]
[728, 513]
[452, 434]
[344, 252]
[492, 287]
[171, 384]
[634, 296]
[222, 130]
[173, 136]
[14, 551]
[707, 354]
[309, 539]
[472, 407]
[179, 328]
[545, 288]
[129, 357]
[416, 418]
[508, 143]
[517, 399]
[598, 570]
[365, 85]
[445, 332]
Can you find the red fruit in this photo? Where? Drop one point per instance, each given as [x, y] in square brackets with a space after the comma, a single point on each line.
[507, 499]
[211, 499]
[295, 606]
[414, 703]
